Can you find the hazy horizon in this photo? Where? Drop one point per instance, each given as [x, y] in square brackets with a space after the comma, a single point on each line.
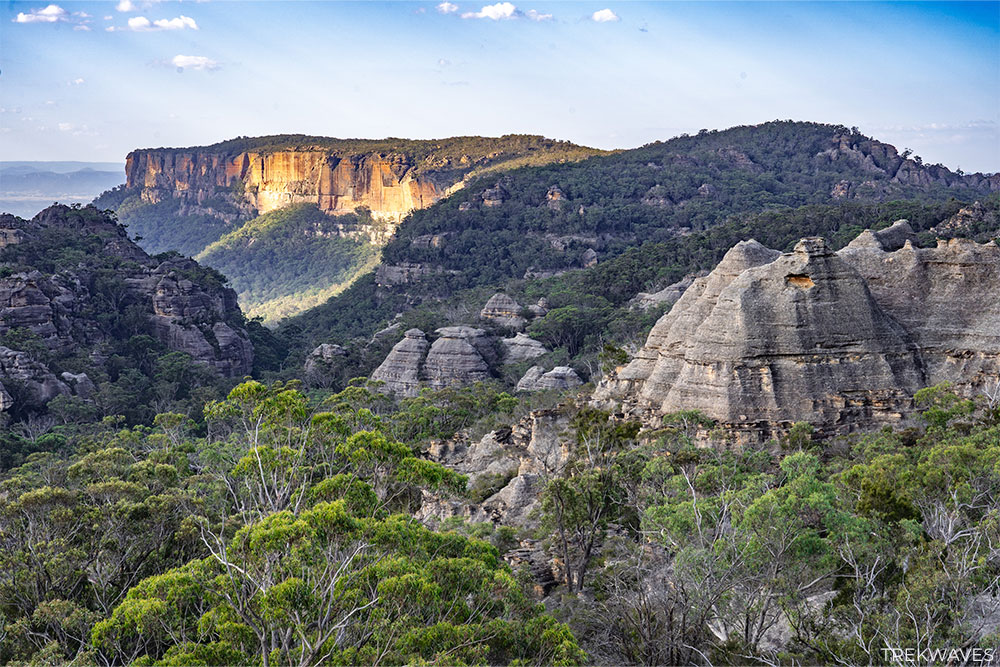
[91, 81]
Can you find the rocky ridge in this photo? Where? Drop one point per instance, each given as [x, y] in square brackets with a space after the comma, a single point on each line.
[185, 308]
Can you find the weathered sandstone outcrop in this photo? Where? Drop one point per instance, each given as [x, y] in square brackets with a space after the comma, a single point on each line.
[560, 377]
[455, 358]
[841, 340]
[948, 300]
[459, 356]
[968, 221]
[522, 347]
[321, 359]
[186, 308]
[401, 369]
[503, 311]
[390, 178]
[37, 381]
[509, 466]
[385, 183]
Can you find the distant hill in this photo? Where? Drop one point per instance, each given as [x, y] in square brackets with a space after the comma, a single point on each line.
[667, 209]
[187, 199]
[27, 187]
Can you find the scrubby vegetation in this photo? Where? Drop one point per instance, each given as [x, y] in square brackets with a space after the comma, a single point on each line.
[797, 552]
[275, 532]
[276, 529]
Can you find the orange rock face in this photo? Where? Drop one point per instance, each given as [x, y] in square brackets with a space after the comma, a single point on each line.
[385, 184]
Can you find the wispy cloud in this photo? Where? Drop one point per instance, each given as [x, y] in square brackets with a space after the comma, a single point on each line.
[143, 24]
[50, 14]
[126, 6]
[183, 63]
[504, 11]
[77, 82]
[604, 16]
[447, 7]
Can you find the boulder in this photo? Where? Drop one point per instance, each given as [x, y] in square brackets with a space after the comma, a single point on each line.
[401, 369]
[322, 357]
[540, 308]
[80, 384]
[554, 198]
[522, 347]
[503, 311]
[40, 385]
[495, 196]
[560, 377]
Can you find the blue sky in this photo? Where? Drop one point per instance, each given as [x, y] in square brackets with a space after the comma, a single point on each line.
[93, 80]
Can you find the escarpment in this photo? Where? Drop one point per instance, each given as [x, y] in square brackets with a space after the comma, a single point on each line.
[841, 340]
[390, 178]
[385, 183]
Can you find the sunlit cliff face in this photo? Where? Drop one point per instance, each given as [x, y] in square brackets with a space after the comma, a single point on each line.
[386, 185]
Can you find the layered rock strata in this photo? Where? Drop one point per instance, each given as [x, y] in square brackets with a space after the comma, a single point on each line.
[840, 340]
[385, 183]
[400, 371]
[455, 358]
[459, 356]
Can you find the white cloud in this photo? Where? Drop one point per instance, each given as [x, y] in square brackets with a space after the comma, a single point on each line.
[85, 28]
[605, 16]
[193, 62]
[447, 7]
[142, 24]
[49, 14]
[76, 82]
[497, 12]
[536, 15]
[125, 6]
[66, 127]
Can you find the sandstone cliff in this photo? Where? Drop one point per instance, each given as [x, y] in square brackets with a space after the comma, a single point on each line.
[387, 184]
[841, 340]
[389, 177]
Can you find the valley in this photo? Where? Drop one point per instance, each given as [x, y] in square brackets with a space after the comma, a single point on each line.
[729, 398]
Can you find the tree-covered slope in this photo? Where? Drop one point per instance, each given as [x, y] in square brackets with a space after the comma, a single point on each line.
[291, 259]
[545, 218]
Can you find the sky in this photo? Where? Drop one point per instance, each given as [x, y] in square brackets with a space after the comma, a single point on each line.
[94, 80]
